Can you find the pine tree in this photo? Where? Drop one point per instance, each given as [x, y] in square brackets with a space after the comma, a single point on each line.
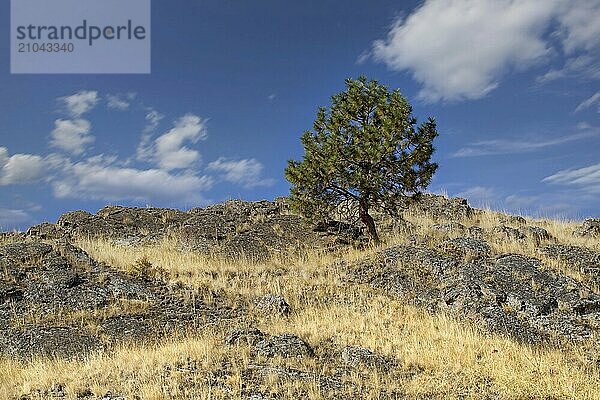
[364, 149]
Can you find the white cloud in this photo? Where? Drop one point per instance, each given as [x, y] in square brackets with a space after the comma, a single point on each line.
[20, 168]
[586, 178]
[169, 150]
[72, 136]
[246, 172]
[515, 146]
[459, 49]
[144, 150]
[80, 103]
[153, 118]
[97, 179]
[594, 99]
[581, 67]
[119, 102]
[580, 29]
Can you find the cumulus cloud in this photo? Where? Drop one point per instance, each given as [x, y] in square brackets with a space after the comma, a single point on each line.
[20, 168]
[97, 179]
[461, 49]
[119, 102]
[72, 136]
[515, 146]
[80, 103]
[246, 172]
[170, 151]
[587, 178]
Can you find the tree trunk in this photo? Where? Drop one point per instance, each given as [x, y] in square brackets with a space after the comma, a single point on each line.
[366, 219]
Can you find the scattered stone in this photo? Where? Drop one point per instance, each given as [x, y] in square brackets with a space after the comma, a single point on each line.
[589, 228]
[85, 393]
[476, 232]
[271, 304]
[112, 396]
[249, 336]
[325, 383]
[539, 235]
[45, 230]
[285, 345]
[466, 248]
[359, 356]
[507, 232]
[512, 219]
[449, 227]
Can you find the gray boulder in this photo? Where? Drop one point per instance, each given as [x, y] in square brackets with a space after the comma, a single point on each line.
[589, 228]
[285, 345]
[271, 304]
[466, 248]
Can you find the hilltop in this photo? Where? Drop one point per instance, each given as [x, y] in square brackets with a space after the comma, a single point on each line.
[246, 300]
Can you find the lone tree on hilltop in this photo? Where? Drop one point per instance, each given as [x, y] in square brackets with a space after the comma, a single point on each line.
[364, 150]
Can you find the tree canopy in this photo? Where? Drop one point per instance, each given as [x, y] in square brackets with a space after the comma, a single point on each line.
[364, 149]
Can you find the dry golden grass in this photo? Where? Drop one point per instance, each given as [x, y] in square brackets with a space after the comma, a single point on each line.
[437, 356]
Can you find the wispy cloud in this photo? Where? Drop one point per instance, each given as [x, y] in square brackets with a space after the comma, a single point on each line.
[80, 102]
[579, 35]
[579, 67]
[246, 172]
[586, 179]
[516, 146]
[120, 102]
[594, 99]
[144, 150]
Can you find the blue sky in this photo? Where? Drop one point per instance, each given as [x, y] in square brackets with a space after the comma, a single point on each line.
[514, 86]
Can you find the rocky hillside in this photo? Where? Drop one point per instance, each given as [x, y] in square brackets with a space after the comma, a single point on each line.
[276, 304]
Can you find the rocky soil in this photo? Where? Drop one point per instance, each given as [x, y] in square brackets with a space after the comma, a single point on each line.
[57, 301]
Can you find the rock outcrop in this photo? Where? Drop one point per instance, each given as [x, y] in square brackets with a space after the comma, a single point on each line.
[56, 300]
[507, 293]
[237, 229]
[589, 228]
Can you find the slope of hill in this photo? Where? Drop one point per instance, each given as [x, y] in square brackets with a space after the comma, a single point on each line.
[243, 300]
